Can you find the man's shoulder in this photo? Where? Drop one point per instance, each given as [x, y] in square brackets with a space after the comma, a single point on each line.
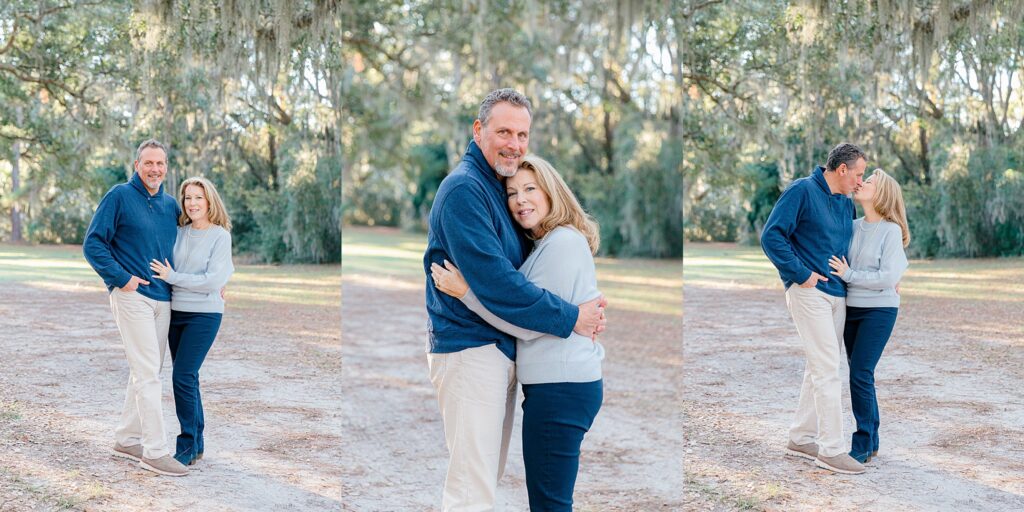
[465, 170]
[802, 182]
[462, 181]
[798, 188]
[118, 194]
[120, 189]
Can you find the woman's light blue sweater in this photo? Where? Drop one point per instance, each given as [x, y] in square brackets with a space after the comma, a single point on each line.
[562, 264]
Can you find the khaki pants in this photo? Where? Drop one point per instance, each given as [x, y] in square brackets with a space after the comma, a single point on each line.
[476, 391]
[819, 318]
[143, 324]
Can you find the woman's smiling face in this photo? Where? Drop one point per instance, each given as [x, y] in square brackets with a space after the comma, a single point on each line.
[527, 202]
[197, 207]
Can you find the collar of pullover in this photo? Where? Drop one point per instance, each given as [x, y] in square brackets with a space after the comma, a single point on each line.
[819, 178]
[476, 157]
[136, 183]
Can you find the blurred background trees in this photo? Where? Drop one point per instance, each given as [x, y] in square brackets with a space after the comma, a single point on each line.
[931, 90]
[603, 79]
[245, 93]
[671, 120]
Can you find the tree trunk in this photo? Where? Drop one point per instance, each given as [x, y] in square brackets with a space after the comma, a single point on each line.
[609, 142]
[275, 178]
[15, 183]
[926, 167]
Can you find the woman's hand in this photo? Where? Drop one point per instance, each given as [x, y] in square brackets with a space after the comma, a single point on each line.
[161, 270]
[839, 266]
[449, 280]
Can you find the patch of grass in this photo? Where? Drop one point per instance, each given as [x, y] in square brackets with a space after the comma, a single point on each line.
[383, 251]
[10, 411]
[64, 266]
[642, 285]
[39, 492]
[53, 263]
[967, 279]
[65, 503]
[747, 503]
[717, 495]
[729, 263]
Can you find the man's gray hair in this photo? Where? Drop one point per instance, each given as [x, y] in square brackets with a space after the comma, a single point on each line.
[150, 143]
[502, 95]
[844, 153]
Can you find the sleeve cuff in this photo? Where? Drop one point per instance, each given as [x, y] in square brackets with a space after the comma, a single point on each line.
[121, 280]
[803, 276]
[574, 317]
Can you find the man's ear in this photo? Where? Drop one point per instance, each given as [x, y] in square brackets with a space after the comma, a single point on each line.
[477, 127]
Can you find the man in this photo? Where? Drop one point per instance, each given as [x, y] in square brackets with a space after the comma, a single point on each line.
[136, 222]
[471, 363]
[812, 221]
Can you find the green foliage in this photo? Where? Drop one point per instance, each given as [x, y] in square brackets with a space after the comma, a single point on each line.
[264, 233]
[64, 220]
[922, 87]
[981, 210]
[245, 94]
[601, 80]
[312, 223]
[762, 189]
[429, 165]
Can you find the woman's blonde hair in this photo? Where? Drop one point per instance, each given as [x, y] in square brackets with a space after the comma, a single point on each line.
[888, 202]
[218, 214]
[565, 208]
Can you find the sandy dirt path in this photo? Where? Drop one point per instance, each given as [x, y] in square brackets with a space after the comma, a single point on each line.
[948, 388]
[269, 390]
[395, 458]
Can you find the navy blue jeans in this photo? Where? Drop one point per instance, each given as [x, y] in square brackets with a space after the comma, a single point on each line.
[865, 335]
[555, 418]
[190, 337]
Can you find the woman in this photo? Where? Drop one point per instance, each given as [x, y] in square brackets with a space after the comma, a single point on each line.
[202, 253]
[561, 377]
[877, 262]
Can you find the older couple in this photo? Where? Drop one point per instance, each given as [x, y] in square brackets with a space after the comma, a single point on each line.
[811, 234]
[511, 296]
[165, 263]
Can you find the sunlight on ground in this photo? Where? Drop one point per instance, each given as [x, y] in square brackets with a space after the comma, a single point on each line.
[383, 251]
[55, 263]
[384, 283]
[730, 266]
[642, 285]
[35, 263]
[63, 268]
[378, 252]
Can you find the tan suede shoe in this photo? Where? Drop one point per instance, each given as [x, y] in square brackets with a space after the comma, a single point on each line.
[841, 463]
[133, 452]
[165, 465]
[807, 451]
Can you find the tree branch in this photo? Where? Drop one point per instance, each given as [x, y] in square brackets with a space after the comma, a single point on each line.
[49, 82]
[11, 37]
